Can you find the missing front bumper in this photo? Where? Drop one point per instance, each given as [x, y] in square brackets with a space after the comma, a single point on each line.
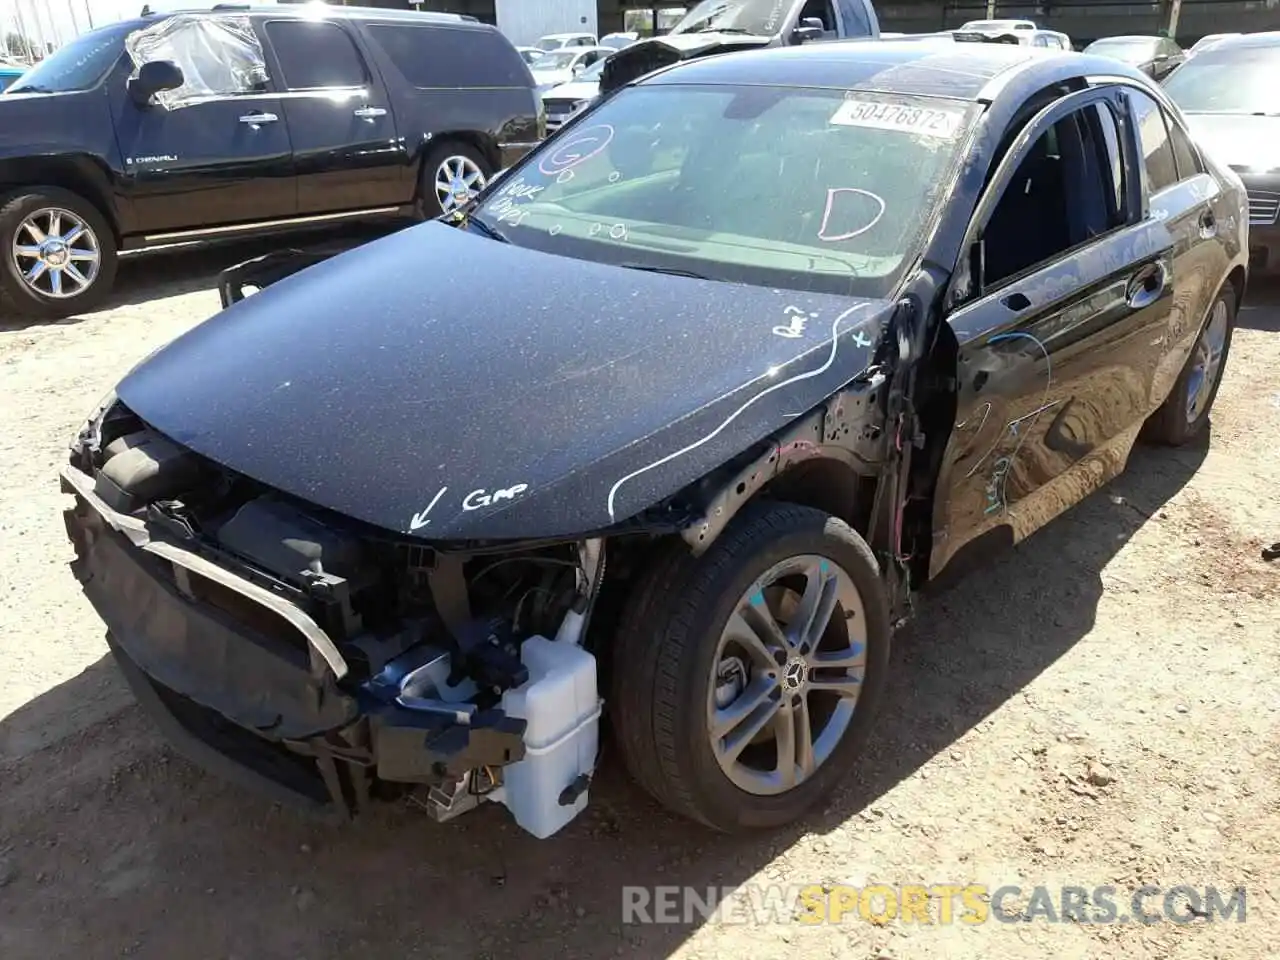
[245, 684]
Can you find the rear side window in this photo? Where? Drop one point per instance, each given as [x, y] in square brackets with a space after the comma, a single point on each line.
[315, 55]
[1184, 153]
[436, 57]
[1153, 134]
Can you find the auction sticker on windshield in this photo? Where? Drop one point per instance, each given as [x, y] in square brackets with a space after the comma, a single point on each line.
[923, 121]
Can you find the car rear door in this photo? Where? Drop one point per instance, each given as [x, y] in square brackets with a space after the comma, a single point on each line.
[218, 152]
[1058, 310]
[345, 151]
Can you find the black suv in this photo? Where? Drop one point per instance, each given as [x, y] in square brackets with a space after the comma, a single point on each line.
[238, 120]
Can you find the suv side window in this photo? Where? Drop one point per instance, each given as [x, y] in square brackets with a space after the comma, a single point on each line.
[1153, 134]
[1063, 194]
[315, 55]
[446, 57]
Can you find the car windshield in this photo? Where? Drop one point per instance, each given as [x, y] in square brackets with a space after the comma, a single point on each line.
[1128, 49]
[617, 43]
[995, 25]
[762, 18]
[560, 60]
[1230, 79]
[550, 43]
[809, 189]
[78, 65]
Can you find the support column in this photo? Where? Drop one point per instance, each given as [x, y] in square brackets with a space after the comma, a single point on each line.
[1170, 10]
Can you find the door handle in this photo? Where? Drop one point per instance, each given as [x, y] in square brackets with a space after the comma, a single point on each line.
[1208, 225]
[369, 113]
[253, 119]
[1146, 286]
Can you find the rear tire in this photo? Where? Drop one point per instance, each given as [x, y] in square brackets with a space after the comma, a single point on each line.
[672, 657]
[57, 253]
[452, 173]
[1185, 412]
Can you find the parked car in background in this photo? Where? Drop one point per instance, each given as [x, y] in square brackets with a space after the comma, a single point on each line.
[999, 26]
[562, 101]
[619, 40]
[1205, 42]
[204, 125]
[1157, 57]
[562, 66]
[712, 27]
[1230, 94]
[530, 55]
[10, 70]
[802, 411]
[555, 41]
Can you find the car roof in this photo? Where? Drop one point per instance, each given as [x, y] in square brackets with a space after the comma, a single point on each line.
[287, 11]
[1128, 36]
[959, 71]
[557, 36]
[1231, 41]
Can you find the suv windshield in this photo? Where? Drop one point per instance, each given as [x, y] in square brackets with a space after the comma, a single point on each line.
[804, 188]
[77, 66]
[1231, 79]
[763, 18]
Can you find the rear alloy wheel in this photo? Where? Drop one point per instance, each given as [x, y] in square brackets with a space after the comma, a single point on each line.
[452, 175]
[59, 253]
[1185, 412]
[745, 680]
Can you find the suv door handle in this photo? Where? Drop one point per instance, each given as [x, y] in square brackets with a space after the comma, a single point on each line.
[256, 118]
[1146, 286]
[369, 113]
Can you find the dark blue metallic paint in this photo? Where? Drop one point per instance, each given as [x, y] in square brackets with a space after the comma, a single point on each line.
[489, 367]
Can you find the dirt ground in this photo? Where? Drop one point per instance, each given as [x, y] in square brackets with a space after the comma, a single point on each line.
[1138, 632]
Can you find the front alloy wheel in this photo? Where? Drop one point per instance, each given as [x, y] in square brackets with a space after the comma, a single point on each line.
[744, 680]
[56, 253]
[789, 671]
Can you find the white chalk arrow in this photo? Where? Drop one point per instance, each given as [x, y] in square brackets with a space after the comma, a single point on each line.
[420, 519]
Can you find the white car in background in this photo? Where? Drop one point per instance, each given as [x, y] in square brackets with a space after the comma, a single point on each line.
[563, 66]
[619, 40]
[561, 102]
[558, 41]
[529, 54]
[999, 26]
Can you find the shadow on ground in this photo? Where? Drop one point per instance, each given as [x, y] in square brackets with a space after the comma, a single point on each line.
[112, 847]
[152, 275]
[1260, 301]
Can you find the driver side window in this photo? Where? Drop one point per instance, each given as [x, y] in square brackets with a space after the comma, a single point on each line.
[1063, 194]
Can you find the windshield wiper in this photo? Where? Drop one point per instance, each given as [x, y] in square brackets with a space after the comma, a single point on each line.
[712, 28]
[491, 232]
[672, 271]
[29, 88]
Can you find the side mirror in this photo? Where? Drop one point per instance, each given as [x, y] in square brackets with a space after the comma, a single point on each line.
[154, 77]
[1161, 57]
[809, 28]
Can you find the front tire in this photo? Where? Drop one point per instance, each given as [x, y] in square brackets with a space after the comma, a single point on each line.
[452, 174]
[744, 681]
[57, 253]
[1185, 412]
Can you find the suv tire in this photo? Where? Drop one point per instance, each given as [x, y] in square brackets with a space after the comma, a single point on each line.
[450, 168]
[58, 253]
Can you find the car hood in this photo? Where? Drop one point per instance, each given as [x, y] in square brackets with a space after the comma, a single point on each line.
[1242, 141]
[633, 62]
[577, 90]
[452, 387]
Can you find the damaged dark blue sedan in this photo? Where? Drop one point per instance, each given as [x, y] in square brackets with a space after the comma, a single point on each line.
[666, 427]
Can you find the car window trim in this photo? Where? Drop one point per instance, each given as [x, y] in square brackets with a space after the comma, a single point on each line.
[963, 287]
[349, 34]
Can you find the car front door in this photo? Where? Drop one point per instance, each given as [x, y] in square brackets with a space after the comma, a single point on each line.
[345, 150]
[1058, 307]
[213, 152]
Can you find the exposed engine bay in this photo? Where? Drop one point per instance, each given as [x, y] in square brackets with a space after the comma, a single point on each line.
[350, 661]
